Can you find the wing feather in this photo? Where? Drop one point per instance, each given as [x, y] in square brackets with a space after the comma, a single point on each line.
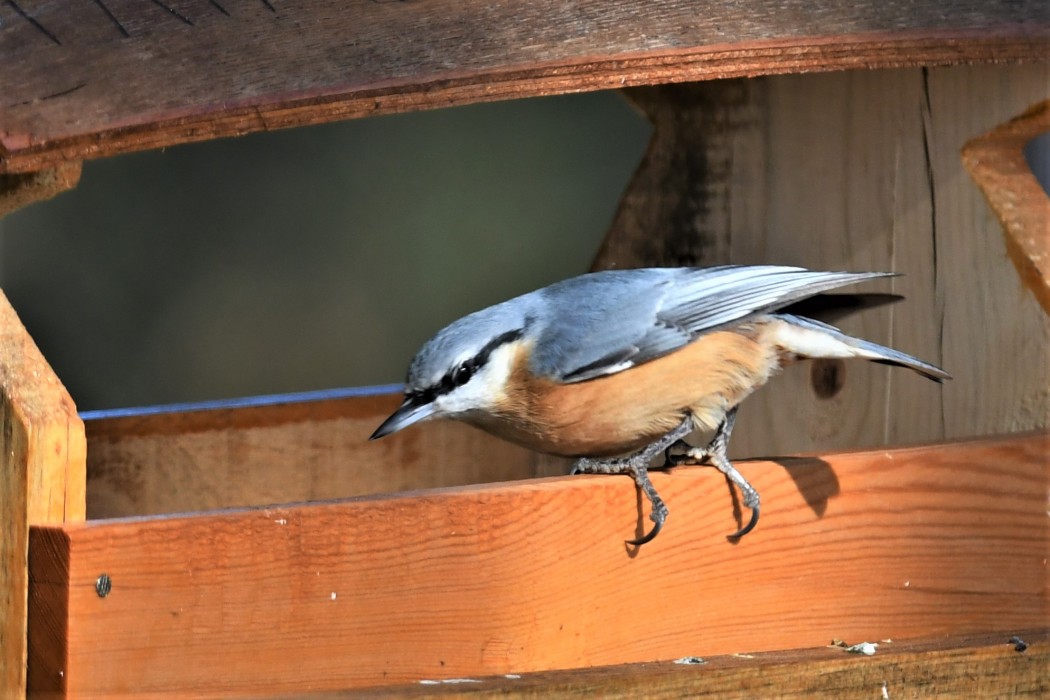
[611, 321]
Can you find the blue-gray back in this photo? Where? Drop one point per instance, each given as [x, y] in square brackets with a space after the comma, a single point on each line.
[606, 322]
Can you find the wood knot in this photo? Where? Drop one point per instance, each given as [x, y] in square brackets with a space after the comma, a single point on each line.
[827, 377]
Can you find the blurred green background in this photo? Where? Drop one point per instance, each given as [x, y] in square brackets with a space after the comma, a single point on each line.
[310, 258]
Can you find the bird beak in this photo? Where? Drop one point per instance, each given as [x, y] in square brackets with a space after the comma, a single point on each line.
[407, 414]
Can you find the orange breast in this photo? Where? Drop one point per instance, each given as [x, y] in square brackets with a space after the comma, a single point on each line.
[625, 411]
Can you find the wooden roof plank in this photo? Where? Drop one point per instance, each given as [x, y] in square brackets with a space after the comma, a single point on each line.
[92, 78]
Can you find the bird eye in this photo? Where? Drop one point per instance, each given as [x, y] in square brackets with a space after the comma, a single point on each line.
[462, 374]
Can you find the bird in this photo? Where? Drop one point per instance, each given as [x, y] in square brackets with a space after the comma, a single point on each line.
[613, 368]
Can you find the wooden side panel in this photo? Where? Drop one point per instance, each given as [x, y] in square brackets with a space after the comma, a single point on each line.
[527, 576]
[858, 171]
[280, 450]
[89, 79]
[995, 333]
[41, 477]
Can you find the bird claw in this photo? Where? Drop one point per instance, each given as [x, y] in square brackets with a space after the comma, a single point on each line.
[747, 528]
[649, 536]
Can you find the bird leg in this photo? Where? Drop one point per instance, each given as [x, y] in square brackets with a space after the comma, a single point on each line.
[637, 465]
[715, 453]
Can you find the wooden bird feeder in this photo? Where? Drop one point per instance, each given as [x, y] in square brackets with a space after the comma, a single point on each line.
[264, 548]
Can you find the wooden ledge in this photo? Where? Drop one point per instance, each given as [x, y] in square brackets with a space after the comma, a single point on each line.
[86, 80]
[534, 575]
[964, 666]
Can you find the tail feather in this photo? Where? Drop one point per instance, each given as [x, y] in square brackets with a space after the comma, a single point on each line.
[813, 339]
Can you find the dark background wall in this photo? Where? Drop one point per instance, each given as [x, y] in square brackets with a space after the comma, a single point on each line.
[311, 258]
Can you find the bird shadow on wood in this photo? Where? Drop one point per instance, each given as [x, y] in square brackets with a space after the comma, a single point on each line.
[815, 479]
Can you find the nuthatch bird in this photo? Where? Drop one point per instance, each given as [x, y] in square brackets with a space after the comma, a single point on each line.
[629, 362]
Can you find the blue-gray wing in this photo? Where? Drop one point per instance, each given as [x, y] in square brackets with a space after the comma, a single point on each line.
[611, 321]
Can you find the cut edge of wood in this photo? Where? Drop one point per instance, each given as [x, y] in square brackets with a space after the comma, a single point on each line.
[18, 190]
[48, 612]
[997, 163]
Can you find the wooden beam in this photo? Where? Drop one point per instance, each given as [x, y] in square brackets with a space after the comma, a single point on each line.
[279, 449]
[675, 211]
[530, 576]
[89, 79]
[962, 666]
[997, 163]
[41, 477]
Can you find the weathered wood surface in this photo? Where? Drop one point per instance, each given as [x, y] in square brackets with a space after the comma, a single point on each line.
[22, 189]
[41, 477]
[303, 447]
[996, 161]
[983, 666]
[87, 79]
[858, 171]
[527, 576]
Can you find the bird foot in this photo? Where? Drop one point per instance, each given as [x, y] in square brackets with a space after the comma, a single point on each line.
[636, 466]
[677, 451]
[680, 452]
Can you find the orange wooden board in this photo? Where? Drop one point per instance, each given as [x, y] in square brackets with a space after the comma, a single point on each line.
[87, 79]
[534, 575]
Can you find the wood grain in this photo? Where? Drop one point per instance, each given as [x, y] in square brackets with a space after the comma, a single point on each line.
[963, 666]
[856, 171]
[41, 477]
[529, 576]
[997, 163]
[280, 449]
[88, 79]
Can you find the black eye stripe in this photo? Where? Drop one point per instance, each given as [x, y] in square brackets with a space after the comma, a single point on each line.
[461, 373]
[509, 337]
